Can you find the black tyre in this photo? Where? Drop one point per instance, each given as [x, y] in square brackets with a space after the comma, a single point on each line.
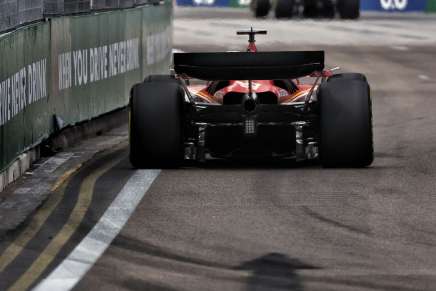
[284, 8]
[328, 9]
[261, 8]
[156, 123]
[346, 122]
[349, 9]
[310, 9]
[319, 8]
[352, 76]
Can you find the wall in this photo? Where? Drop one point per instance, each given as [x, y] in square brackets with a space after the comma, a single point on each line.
[74, 68]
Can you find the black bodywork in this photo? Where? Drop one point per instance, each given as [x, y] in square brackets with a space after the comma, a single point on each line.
[250, 129]
[248, 66]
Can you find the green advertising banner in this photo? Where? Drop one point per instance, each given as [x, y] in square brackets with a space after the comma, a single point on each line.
[240, 3]
[76, 68]
[24, 118]
[95, 61]
[431, 5]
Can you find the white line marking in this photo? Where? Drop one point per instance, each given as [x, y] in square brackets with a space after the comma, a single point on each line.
[55, 162]
[22, 191]
[400, 48]
[424, 77]
[92, 247]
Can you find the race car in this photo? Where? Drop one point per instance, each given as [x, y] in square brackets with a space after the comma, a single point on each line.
[251, 105]
[347, 9]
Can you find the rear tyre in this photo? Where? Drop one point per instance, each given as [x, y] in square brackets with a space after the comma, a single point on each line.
[349, 9]
[310, 9]
[156, 123]
[319, 8]
[346, 122]
[260, 8]
[284, 8]
[351, 76]
[328, 9]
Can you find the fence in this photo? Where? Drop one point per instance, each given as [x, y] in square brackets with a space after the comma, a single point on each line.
[14, 13]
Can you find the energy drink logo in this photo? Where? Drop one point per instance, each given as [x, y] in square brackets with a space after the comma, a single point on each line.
[84, 66]
[26, 86]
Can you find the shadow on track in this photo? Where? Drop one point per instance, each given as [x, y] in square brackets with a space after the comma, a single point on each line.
[252, 164]
[274, 271]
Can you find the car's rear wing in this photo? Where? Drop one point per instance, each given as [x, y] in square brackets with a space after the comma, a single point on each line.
[248, 66]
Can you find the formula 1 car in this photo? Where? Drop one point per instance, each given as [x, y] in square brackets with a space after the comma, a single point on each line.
[347, 9]
[253, 105]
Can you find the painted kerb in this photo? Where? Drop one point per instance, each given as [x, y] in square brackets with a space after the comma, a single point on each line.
[76, 68]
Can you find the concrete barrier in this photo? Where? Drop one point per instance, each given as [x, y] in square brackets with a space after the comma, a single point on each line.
[71, 69]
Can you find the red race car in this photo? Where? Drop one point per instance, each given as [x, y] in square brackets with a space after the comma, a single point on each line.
[251, 105]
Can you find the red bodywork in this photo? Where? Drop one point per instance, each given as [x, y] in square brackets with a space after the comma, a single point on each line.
[297, 92]
[260, 86]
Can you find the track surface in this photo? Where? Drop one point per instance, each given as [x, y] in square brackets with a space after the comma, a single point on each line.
[273, 227]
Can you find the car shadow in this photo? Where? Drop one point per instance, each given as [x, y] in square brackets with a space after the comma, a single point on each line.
[274, 271]
[252, 164]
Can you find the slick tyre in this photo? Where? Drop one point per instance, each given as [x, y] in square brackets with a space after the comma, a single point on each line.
[317, 9]
[260, 8]
[351, 76]
[346, 122]
[349, 9]
[328, 10]
[156, 123]
[310, 9]
[284, 8]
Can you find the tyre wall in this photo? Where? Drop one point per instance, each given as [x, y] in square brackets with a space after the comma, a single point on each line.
[74, 68]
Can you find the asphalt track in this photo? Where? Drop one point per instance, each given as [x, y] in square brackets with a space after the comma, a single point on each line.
[229, 226]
